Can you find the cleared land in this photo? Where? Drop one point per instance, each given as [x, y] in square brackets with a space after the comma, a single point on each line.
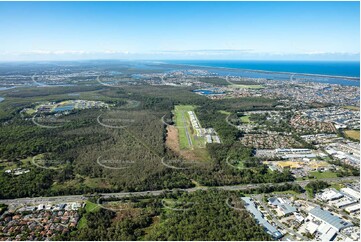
[353, 134]
[172, 141]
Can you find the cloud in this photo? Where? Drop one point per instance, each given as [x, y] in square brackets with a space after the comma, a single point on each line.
[204, 52]
[245, 54]
[70, 52]
[330, 53]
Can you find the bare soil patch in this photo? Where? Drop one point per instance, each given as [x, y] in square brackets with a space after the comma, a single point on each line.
[172, 141]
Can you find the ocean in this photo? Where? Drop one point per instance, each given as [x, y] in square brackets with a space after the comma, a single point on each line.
[284, 69]
[331, 68]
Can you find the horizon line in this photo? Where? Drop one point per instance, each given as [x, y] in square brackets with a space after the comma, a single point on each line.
[220, 59]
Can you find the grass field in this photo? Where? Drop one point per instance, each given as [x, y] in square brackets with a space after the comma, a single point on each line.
[325, 174]
[89, 208]
[195, 148]
[224, 112]
[245, 119]
[82, 223]
[353, 134]
[337, 186]
[184, 126]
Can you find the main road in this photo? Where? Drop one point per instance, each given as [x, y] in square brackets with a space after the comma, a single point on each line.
[71, 198]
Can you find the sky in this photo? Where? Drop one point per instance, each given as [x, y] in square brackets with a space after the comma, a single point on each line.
[179, 30]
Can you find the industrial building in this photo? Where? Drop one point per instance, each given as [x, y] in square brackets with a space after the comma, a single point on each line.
[329, 219]
[353, 208]
[351, 192]
[329, 195]
[284, 207]
[251, 207]
[295, 153]
[326, 224]
[345, 201]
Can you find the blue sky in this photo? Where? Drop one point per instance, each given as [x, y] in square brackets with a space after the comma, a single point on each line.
[179, 30]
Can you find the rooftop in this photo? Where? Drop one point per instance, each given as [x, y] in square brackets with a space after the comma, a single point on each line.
[251, 207]
[329, 218]
[284, 207]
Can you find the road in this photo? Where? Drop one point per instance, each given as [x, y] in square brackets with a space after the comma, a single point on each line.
[69, 198]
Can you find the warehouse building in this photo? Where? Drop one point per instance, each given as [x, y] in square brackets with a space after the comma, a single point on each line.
[329, 195]
[329, 219]
[351, 192]
[282, 205]
[251, 207]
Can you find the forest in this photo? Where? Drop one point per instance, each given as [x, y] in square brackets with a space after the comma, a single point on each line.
[93, 156]
[207, 217]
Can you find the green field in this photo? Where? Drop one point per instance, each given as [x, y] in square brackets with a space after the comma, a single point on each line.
[245, 119]
[89, 208]
[337, 186]
[325, 174]
[224, 112]
[184, 125]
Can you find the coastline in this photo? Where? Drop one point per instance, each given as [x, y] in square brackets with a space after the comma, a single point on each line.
[270, 72]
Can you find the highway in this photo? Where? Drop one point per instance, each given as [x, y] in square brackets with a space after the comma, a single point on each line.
[72, 198]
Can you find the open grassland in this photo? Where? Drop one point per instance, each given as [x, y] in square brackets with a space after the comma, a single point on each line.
[353, 134]
[183, 124]
[187, 136]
